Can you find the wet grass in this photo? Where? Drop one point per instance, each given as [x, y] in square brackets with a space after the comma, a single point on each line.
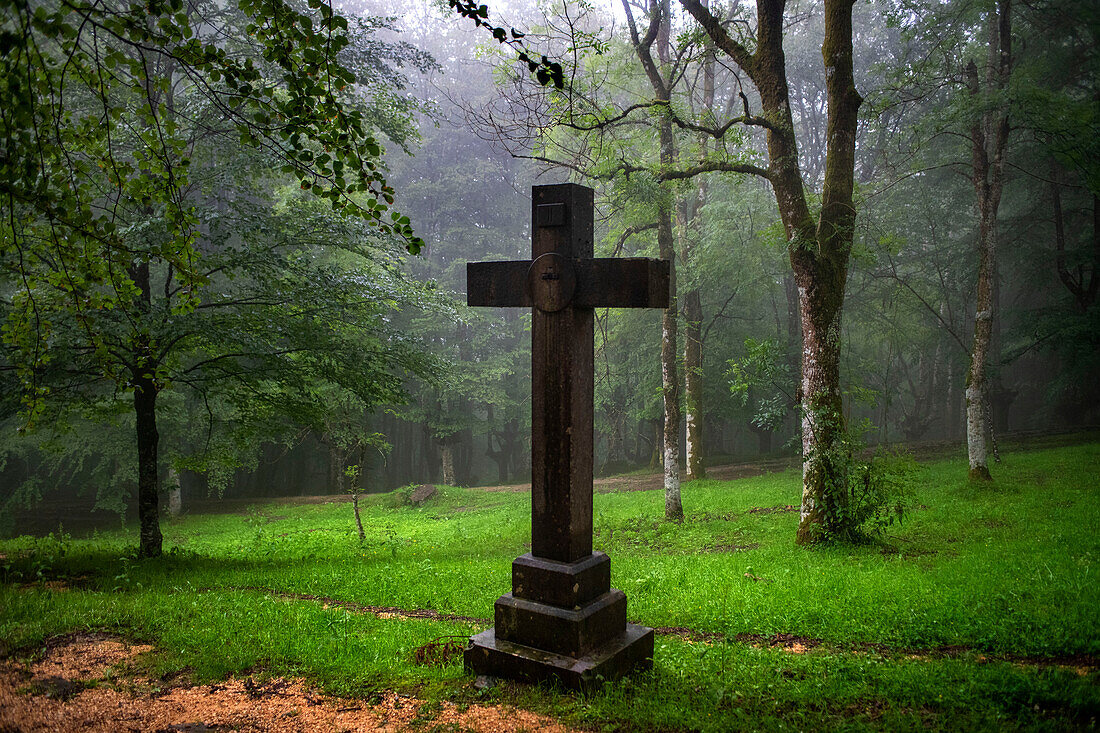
[980, 611]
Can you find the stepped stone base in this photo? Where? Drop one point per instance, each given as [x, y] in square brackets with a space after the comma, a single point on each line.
[561, 621]
[632, 649]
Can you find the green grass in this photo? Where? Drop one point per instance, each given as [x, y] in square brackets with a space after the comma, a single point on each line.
[1002, 574]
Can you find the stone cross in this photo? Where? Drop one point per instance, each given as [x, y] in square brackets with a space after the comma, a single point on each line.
[563, 620]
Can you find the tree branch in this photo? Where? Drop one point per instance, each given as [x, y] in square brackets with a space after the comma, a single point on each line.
[721, 37]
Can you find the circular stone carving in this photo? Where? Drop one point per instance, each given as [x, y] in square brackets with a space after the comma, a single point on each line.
[551, 282]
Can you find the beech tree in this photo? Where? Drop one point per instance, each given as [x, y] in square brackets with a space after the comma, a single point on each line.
[988, 137]
[819, 245]
[135, 262]
[965, 87]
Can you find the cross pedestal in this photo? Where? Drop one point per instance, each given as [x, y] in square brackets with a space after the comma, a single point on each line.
[563, 620]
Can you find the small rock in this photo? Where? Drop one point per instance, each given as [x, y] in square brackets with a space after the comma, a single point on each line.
[422, 493]
[485, 682]
[57, 688]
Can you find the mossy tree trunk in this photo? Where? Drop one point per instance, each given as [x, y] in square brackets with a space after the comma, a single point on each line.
[693, 304]
[818, 250]
[988, 136]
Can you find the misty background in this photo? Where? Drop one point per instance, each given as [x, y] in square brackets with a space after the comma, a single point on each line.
[472, 132]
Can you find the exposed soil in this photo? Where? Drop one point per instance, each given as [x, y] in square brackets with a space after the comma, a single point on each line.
[90, 682]
[87, 682]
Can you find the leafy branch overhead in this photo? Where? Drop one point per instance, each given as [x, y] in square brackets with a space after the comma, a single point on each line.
[280, 87]
[546, 71]
[158, 240]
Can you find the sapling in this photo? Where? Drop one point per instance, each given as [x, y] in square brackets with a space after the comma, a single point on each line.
[351, 474]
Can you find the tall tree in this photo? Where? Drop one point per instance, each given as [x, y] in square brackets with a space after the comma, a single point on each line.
[134, 265]
[691, 208]
[819, 246]
[647, 134]
[988, 137]
[660, 73]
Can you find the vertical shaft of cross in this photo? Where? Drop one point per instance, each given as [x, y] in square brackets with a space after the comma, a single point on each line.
[563, 620]
[562, 389]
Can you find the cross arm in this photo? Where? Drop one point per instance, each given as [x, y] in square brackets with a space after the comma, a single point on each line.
[606, 282]
[501, 284]
[622, 282]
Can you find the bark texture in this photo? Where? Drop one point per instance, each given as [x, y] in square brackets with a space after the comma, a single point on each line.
[148, 443]
[447, 453]
[146, 390]
[658, 34]
[988, 135]
[693, 384]
[175, 499]
[670, 380]
[819, 250]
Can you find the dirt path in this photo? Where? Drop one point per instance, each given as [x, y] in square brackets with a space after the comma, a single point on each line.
[87, 682]
[607, 485]
[653, 481]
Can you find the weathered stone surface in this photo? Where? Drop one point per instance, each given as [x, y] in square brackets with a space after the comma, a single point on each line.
[560, 630]
[563, 620]
[629, 650]
[422, 493]
[569, 585]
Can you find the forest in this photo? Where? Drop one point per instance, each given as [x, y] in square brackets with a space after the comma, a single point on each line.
[254, 442]
[276, 304]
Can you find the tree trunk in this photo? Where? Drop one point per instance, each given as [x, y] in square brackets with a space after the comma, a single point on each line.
[819, 255]
[824, 492]
[175, 498]
[794, 324]
[463, 453]
[988, 137]
[670, 388]
[335, 468]
[142, 376]
[355, 508]
[446, 451]
[670, 379]
[693, 384]
[427, 454]
[657, 456]
[693, 307]
[658, 72]
[977, 418]
[763, 439]
[148, 443]
[499, 454]
[821, 280]
[818, 251]
[1084, 290]
[512, 447]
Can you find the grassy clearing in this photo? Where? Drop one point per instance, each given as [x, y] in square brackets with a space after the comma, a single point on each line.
[979, 612]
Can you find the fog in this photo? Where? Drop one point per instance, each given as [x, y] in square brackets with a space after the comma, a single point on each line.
[477, 130]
